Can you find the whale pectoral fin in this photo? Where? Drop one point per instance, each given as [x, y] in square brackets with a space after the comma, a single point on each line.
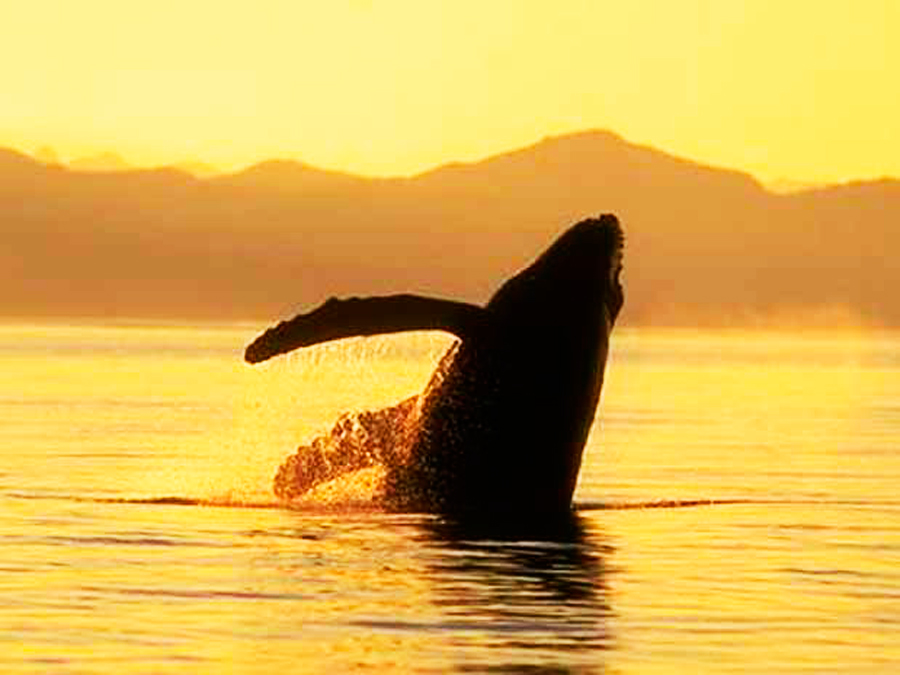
[351, 317]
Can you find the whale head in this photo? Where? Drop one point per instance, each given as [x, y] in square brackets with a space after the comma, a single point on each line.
[576, 281]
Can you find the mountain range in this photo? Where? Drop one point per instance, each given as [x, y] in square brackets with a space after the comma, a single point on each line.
[704, 245]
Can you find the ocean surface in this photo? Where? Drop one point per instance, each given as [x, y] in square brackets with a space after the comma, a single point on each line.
[739, 512]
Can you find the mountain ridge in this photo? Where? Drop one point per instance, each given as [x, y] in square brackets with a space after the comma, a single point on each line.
[281, 235]
[267, 170]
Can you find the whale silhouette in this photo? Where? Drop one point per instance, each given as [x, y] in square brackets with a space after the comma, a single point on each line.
[501, 426]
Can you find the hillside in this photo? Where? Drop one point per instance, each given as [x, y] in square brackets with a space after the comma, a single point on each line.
[704, 244]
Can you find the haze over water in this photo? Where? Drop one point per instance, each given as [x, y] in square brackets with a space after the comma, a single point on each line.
[791, 565]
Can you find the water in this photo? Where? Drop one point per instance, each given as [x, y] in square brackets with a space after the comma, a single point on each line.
[740, 514]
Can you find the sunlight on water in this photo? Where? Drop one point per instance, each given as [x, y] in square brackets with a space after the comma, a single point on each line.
[792, 566]
[704, 415]
[216, 427]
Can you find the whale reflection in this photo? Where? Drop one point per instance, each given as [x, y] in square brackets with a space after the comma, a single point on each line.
[535, 596]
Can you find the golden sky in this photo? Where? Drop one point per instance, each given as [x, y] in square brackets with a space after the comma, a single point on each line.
[796, 89]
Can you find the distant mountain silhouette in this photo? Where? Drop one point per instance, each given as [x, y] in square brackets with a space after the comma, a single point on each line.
[46, 155]
[105, 161]
[288, 175]
[703, 244]
[197, 169]
[788, 186]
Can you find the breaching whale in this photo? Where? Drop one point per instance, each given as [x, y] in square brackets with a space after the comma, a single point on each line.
[500, 428]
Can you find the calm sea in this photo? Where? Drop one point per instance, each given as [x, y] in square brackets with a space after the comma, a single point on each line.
[740, 513]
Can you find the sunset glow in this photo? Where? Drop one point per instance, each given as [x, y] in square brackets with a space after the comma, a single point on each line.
[800, 89]
[406, 336]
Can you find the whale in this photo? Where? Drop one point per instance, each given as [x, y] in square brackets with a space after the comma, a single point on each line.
[500, 428]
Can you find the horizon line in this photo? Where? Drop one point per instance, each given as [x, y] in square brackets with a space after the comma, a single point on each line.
[779, 185]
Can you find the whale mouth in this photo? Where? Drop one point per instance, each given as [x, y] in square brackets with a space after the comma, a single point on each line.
[591, 253]
[612, 229]
[617, 292]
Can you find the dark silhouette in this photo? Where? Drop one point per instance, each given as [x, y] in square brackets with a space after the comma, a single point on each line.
[501, 426]
[365, 316]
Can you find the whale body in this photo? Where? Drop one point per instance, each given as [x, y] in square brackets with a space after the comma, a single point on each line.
[501, 426]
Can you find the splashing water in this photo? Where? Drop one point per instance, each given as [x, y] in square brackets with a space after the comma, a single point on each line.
[288, 402]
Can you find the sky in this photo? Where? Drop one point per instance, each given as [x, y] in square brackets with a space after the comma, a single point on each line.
[793, 89]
